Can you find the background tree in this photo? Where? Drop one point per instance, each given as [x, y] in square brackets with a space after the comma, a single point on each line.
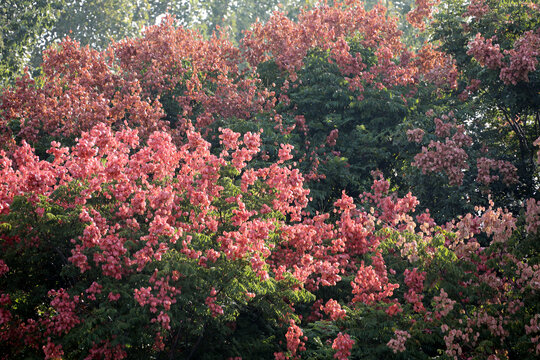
[233, 17]
[98, 22]
[95, 23]
[22, 24]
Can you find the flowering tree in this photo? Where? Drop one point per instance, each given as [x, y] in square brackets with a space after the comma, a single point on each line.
[172, 77]
[133, 223]
[496, 46]
[468, 172]
[155, 248]
[138, 237]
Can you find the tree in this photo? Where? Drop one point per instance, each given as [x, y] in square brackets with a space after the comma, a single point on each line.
[496, 45]
[21, 25]
[153, 250]
[95, 23]
[135, 223]
[234, 17]
[98, 22]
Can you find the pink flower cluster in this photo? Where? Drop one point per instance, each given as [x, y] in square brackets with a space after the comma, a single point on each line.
[370, 285]
[443, 304]
[415, 135]
[477, 8]
[421, 11]
[435, 68]
[451, 158]
[485, 52]
[454, 339]
[415, 281]
[448, 157]
[210, 301]
[494, 324]
[293, 336]
[3, 267]
[65, 317]
[529, 276]
[523, 58]
[52, 351]
[471, 88]
[442, 129]
[165, 297]
[104, 350]
[343, 345]
[397, 344]
[497, 223]
[534, 329]
[505, 168]
[532, 216]
[331, 139]
[333, 309]
[94, 289]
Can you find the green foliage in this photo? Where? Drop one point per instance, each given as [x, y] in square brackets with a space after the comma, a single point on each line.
[22, 22]
[367, 126]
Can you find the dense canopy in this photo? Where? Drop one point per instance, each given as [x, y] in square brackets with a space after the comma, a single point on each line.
[348, 180]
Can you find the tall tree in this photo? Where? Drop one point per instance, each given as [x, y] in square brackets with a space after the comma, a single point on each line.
[96, 22]
[21, 24]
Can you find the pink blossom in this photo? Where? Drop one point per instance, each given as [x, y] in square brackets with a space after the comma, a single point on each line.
[443, 304]
[3, 267]
[331, 139]
[343, 345]
[397, 344]
[532, 216]
[485, 52]
[333, 309]
[210, 301]
[477, 8]
[415, 135]
[523, 58]
[293, 335]
[52, 351]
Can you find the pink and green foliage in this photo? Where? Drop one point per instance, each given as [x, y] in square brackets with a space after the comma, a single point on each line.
[451, 156]
[172, 77]
[496, 45]
[147, 217]
[522, 58]
[469, 171]
[161, 235]
[131, 236]
[135, 81]
[331, 28]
